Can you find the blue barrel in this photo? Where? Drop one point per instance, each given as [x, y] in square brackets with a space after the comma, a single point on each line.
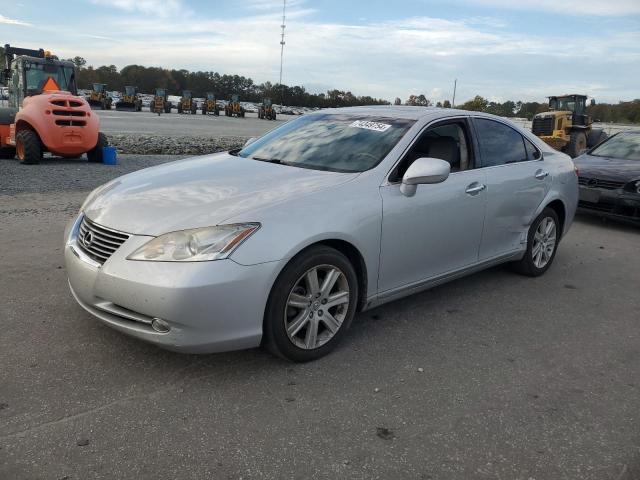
[109, 156]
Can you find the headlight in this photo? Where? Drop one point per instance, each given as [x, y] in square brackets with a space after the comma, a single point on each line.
[196, 245]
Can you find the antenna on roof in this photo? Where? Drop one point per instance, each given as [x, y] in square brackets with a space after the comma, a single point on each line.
[453, 102]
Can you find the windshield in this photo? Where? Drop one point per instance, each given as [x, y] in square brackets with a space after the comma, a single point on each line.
[335, 142]
[38, 73]
[571, 104]
[98, 87]
[624, 145]
[130, 91]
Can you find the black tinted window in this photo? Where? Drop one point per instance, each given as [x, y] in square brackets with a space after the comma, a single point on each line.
[499, 144]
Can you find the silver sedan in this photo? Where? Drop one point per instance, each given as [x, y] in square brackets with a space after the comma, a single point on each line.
[282, 242]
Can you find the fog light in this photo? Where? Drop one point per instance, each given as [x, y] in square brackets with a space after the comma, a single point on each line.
[160, 325]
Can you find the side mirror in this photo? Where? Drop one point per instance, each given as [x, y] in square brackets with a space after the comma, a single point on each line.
[250, 141]
[425, 170]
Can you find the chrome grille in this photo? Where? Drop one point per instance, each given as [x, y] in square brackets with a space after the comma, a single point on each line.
[99, 242]
[597, 183]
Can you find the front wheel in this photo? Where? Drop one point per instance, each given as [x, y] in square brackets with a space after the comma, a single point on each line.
[311, 305]
[542, 244]
[577, 143]
[28, 147]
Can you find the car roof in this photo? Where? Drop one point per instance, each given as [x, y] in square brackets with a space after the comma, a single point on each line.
[399, 111]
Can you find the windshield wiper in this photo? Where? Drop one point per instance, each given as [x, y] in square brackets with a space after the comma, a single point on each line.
[269, 160]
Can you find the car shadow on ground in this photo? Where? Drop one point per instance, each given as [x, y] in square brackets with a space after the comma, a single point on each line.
[607, 222]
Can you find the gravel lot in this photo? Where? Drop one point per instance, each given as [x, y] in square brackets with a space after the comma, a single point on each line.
[491, 376]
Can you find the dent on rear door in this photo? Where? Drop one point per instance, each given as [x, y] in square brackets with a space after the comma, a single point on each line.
[513, 197]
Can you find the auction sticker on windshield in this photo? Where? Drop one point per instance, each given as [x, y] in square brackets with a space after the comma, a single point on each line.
[378, 127]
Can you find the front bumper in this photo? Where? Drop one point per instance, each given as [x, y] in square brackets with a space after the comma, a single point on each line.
[616, 204]
[209, 306]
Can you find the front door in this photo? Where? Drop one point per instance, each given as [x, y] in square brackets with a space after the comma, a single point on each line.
[438, 230]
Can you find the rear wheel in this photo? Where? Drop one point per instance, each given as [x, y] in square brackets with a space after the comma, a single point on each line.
[95, 154]
[577, 144]
[28, 147]
[311, 305]
[542, 244]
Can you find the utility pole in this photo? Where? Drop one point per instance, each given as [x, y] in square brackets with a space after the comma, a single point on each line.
[282, 26]
[453, 102]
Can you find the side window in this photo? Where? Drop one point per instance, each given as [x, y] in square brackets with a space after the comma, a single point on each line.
[448, 141]
[499, 144]
[532, 151]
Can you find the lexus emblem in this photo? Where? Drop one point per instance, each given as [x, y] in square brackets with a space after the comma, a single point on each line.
[87, 239]
[592, 182]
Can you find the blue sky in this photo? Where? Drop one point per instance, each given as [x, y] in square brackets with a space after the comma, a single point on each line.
[500, 49]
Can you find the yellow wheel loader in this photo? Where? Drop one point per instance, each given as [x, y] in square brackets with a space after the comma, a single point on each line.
[130, 100]
[566, 126]
[209, 106]
[233, 108]
[187, 103]
[160, 102]
[98, 98]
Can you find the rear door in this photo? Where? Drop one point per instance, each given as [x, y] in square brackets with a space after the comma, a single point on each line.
[517, 182]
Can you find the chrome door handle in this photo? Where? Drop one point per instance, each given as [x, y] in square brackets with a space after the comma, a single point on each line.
[475, 188]
[541, 174]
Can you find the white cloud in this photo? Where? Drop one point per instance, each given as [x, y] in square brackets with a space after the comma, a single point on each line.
[382, 59]
[568, 7]
[12, 21]
[160, 8]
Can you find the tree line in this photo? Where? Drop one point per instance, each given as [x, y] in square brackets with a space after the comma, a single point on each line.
[622, 112]
[147, 79]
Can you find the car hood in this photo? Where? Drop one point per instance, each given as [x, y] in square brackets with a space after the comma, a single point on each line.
[200, 192]
[607, 168]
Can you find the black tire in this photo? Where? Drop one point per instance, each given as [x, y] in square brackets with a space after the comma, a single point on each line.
[596, 135]
[577, 143]
[179, 108]
[28, 147]
[7, 153]
[527, 265]
[275, 337]
[273, 116]
[95, 154]
[204, 109]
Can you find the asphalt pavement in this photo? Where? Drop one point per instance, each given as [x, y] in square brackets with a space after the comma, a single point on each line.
[494, 376]
[174, 124]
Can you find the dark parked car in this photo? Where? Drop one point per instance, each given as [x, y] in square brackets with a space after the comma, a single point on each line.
[609, 178]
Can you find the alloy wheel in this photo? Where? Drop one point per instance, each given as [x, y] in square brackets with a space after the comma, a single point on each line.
[317, 306]
[544, 242]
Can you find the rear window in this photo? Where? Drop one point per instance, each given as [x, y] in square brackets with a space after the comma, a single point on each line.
[335, 142]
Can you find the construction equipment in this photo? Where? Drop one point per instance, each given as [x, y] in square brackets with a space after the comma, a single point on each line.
[566, 126]
[160, 102]
[234, 108]
[45, 114]
[130, 100]
[99, 98]
[187, 104]
[266, 110]
[210, 106]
